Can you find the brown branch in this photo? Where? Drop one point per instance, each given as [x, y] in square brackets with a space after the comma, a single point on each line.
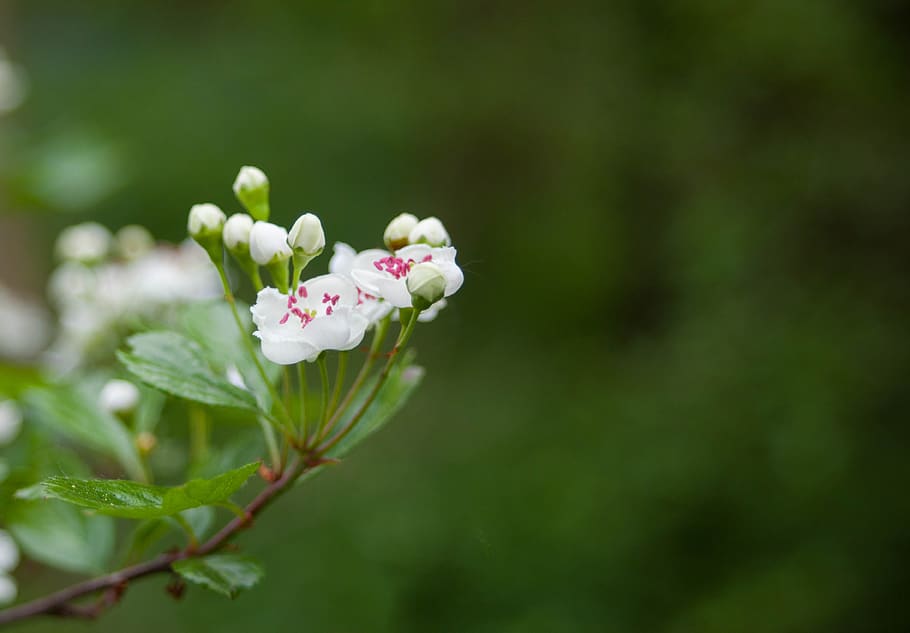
[113, 585]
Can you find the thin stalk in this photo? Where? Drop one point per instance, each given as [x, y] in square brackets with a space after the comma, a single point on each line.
[339, 380]
[324, 378]
[199, 435]
[304, 396]
[271, 442]
[402, 341]
[382, 329]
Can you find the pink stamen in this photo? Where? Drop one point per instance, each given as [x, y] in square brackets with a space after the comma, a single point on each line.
[302, 291]
[284, 319]
[395, 266]
[428, 258]
[328, 311]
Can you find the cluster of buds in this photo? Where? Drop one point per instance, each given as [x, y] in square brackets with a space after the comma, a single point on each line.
[297, 321]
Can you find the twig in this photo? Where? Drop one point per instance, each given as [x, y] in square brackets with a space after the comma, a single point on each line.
[114, 584]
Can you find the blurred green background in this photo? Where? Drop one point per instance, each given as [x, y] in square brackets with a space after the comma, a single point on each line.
[672, 393]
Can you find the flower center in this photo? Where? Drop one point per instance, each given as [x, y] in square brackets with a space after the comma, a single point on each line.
[396, 266]
[305, 315]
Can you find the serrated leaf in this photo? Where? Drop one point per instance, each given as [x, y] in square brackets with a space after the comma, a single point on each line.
[62, 536]
[226, 574]
[132, 500]
[78, 417]
[177, 365]
[212, 325]
[400, 384]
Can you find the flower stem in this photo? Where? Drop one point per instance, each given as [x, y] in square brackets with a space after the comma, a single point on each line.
[324, 378]
[382, 329]
[403, 337]
[304, 396]
[270, 441]
[339, 380]
[245, 337]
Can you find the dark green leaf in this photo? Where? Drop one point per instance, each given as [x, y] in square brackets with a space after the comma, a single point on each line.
[177, 365]
[224, 573]
[62, 536]
[132, 500]
[77, 416]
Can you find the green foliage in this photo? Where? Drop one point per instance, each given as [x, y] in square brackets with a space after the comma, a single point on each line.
[401, 383]
[62, 536]
[226, 574]
[76, 415]
[131, 500]
[177, 365]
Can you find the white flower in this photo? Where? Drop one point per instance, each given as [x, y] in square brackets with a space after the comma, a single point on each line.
[430, 231]
[343, 261]
[12, 84]
[397, 232]
[24, 326]
[8, 589]
[268, 243]
[86, 242]
[426, 283]
[10, 421]
[307, 235]
[118, 396]
[205, 219]
[252, 189]
[134, 241]
[386, 276]
[320, 316]
[236, 231]
[9, 552]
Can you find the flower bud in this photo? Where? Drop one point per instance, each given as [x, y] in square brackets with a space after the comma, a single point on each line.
[236, 233]
[146, 442]
[133, 241]
[252, 189]
[426, 284]
[118, 396]
[269, 247]
[8, 588]
[399, 229]
[205, 219]
[269, 243]
[430, 231]
[88, 242]
[307, 236]
[204, 226]
[10, 421]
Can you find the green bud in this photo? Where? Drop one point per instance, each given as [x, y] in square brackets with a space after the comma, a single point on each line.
[252, 190]
[427, 285]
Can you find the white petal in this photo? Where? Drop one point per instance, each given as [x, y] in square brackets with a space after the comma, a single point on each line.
[286, 351]
[331, 285]
[342, 259]
[415, 251]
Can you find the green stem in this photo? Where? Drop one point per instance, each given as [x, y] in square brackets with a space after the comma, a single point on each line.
[199, 435]
[304, 396]
[271, 442]
[248, 344]
[403, 337]
[382, 329]
[324, 377]
[339, 380]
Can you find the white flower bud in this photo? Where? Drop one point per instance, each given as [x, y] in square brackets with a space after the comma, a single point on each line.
[205, 220]
[87, 242]
[269, 243]
[9, 552]
[13, 84]
[134, 241]
[118, 396]
[8, 588]
[10, 421]
[430, 231]
[307, 235]
[399, 229]
[252, 189]
[427, 284]
[236, 232]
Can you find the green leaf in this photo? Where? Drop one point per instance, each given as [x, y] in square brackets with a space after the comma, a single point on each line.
[62, 536]
[401, 383]
[226, 574]
[150, 531]
[132, 500]
[77, 416]
[212, 325]
[177, 365]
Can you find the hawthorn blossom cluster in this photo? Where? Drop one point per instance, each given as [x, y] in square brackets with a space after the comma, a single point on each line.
[10, 423]
[299, 320]
[110, 283]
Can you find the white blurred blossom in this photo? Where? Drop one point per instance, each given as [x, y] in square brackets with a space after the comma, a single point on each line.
[10, 421]
[24, 326]
[13, 86]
